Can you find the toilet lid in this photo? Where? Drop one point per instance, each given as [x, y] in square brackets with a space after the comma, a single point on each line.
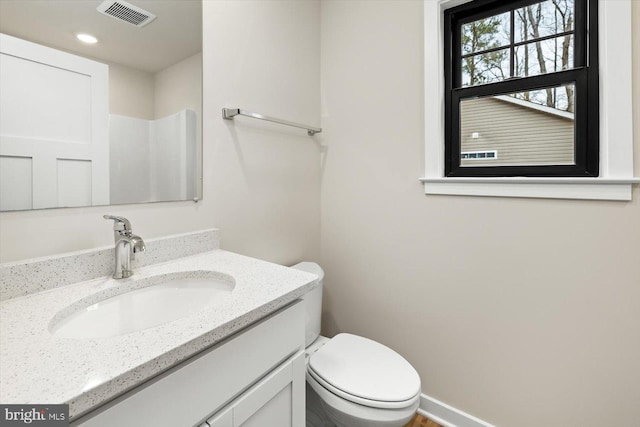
[365, 369]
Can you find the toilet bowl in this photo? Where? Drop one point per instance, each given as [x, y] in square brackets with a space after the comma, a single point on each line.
[358, 382]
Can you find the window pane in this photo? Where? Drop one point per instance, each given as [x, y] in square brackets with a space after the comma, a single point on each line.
[543, 57]
[524, 128]
[487, 33]
[560, 99]
[485, 68]
[544, 19]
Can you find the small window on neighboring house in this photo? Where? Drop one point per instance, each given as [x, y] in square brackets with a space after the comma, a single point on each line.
[521, 80]
[475, 155]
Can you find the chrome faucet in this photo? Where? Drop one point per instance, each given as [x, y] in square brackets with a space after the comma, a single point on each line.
[127, 245]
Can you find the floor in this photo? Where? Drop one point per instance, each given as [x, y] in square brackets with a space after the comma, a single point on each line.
[420, 421]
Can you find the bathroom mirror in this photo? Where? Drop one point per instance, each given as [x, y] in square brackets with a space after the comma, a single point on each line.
[112, 122]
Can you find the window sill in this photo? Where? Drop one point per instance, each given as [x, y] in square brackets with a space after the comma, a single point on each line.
[548, 188]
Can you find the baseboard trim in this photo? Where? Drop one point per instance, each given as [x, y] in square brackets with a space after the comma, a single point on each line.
[447, 415]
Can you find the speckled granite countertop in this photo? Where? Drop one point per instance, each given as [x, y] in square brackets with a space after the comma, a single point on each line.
[36, 367]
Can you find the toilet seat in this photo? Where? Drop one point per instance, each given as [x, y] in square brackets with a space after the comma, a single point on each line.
[378, 404]
[365, 372]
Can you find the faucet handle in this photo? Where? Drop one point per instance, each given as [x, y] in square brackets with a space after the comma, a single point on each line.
[120, 223]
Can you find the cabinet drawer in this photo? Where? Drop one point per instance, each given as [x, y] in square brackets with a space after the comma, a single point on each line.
[187, 393]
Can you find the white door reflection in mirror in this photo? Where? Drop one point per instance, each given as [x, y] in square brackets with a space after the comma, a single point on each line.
[53, 127]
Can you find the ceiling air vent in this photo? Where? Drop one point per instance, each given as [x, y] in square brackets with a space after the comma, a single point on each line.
[126, 12]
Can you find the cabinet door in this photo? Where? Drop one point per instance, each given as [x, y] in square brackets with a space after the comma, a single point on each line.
[277, 400]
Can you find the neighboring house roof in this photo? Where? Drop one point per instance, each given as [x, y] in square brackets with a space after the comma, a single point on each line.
[534, 106]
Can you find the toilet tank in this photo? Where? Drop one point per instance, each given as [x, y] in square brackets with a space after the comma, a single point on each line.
[312, 301]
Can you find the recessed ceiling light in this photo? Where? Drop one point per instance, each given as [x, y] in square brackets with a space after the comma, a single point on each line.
[86, 38]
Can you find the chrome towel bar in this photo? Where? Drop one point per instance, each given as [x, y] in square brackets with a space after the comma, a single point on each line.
[230, 113]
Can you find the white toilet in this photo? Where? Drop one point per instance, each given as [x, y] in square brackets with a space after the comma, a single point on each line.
[358, 382]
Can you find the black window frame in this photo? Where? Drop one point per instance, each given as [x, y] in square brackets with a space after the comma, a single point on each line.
[584, 76]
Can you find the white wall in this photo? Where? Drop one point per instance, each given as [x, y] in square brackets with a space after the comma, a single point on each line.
[264, 56]
[522, 312]
[261, 182]
[179, 87]
[131, 92]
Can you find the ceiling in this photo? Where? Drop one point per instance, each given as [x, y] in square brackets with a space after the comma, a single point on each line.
[174, 35]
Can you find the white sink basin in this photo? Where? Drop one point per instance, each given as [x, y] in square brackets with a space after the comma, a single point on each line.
[151, 302]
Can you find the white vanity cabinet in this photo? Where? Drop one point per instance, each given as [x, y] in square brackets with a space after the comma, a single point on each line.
[253, 378]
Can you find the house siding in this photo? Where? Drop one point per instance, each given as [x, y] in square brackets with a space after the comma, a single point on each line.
[520, 135]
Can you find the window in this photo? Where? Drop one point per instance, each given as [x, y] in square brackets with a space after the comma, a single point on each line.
[521, 80]
[615, 179]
